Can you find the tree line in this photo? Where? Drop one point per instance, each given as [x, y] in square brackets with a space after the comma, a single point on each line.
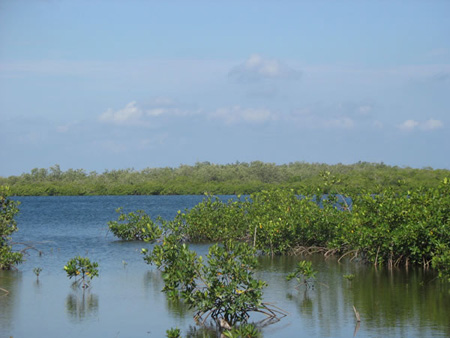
[234, 178]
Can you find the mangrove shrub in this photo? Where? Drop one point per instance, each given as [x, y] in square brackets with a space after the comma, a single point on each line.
[223, 288]
[134, 226]
[82, 269]
[8, 225]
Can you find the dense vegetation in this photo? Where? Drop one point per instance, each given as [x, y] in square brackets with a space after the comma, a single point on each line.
[236, 178]
[386, 228]
[8, 225]
[134, 226]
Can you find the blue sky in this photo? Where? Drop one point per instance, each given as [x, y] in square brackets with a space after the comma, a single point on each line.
[134, 84]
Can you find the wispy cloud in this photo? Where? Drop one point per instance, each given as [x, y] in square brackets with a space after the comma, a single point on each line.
[432, 125]
[129, 115]
[256, 68]
[305, 118]
[135, 115]
[238, 114]
[410, 125]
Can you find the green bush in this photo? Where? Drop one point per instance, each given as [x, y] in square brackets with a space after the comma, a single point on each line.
[8, 225]
[135, 226]
[82, 269]
[223, 288]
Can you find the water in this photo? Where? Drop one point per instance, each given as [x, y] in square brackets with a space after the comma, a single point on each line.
[125, 300]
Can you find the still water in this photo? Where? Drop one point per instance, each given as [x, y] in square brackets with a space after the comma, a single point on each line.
[125, 300]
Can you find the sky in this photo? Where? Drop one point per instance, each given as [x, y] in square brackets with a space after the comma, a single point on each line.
[104, 85]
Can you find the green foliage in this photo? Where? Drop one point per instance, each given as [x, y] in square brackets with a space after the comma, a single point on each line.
[135, 226]
[37, 271]
[8, 225]
[235, 178]
[275, 221]
[384, 228]
[243, 331]
[82, 269]
[441, 261]
[179, 265]
[173, 333]
[304, 274]
[230, 290]
[391, 228]
[223, 288]
[349, 277]
[214, 220]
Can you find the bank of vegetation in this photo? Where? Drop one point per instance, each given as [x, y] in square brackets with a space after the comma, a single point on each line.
[384, 228]
[236, 178]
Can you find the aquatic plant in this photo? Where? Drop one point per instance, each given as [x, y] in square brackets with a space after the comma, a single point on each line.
[134, 226]
[37, 271]
[8, 225]
[173, 333]
[304, 274]
[223, 288]
[383, 228]
[243, 331]
[82, 269]
[349, 277]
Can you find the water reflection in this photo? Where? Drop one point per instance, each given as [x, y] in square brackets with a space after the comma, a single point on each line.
[396, 298]
[396, 302]
[178, 308]
[202, 332]
[10, 282]
[153, 281]
[81, 305]
[303, 300]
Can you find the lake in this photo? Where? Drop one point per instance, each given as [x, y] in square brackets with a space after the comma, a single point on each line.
[126, 299]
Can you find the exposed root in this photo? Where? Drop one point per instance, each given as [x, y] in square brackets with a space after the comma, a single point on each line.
[309, 250]
[273, 314]
[355, 252]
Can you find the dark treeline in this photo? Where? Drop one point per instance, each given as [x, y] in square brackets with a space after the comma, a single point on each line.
[236, 178]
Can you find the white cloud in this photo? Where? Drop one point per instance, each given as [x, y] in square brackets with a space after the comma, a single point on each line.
[257, 68]
[130, 115]
[409, 125]
[431, 124]
[134, 115]
[238, 114]
[156, 111]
